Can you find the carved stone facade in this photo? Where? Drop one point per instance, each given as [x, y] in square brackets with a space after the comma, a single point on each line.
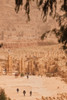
[29, 61]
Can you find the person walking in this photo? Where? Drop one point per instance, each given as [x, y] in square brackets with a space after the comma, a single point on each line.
[30, 93]
[17, 90]
[24, 92]
[27, 76]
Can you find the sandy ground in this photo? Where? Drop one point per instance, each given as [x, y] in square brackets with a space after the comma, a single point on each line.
[40, 86]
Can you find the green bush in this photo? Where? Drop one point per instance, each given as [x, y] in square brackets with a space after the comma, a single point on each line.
[21, 74]
[3, 95]
[8, 99]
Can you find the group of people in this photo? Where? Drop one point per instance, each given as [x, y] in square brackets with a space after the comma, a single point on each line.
[24, 92]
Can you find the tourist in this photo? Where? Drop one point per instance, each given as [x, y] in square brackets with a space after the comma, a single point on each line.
[17, 90]
[24, 92]
[27, 76]
[30, 93]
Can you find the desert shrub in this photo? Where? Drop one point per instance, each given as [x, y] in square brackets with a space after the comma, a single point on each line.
[8, 99]
[21, 74]
[3, 95]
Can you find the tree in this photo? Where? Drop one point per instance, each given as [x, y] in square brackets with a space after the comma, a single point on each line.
[50, 6]
[3, 95]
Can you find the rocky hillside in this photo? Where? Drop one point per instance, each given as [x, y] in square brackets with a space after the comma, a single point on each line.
[62, 96]
[16, 31]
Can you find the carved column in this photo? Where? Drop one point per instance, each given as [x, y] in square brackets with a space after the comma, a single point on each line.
[20, 65]
[10, 64]
[0, 69]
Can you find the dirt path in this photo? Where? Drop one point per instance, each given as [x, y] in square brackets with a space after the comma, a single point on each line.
[40, 86]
